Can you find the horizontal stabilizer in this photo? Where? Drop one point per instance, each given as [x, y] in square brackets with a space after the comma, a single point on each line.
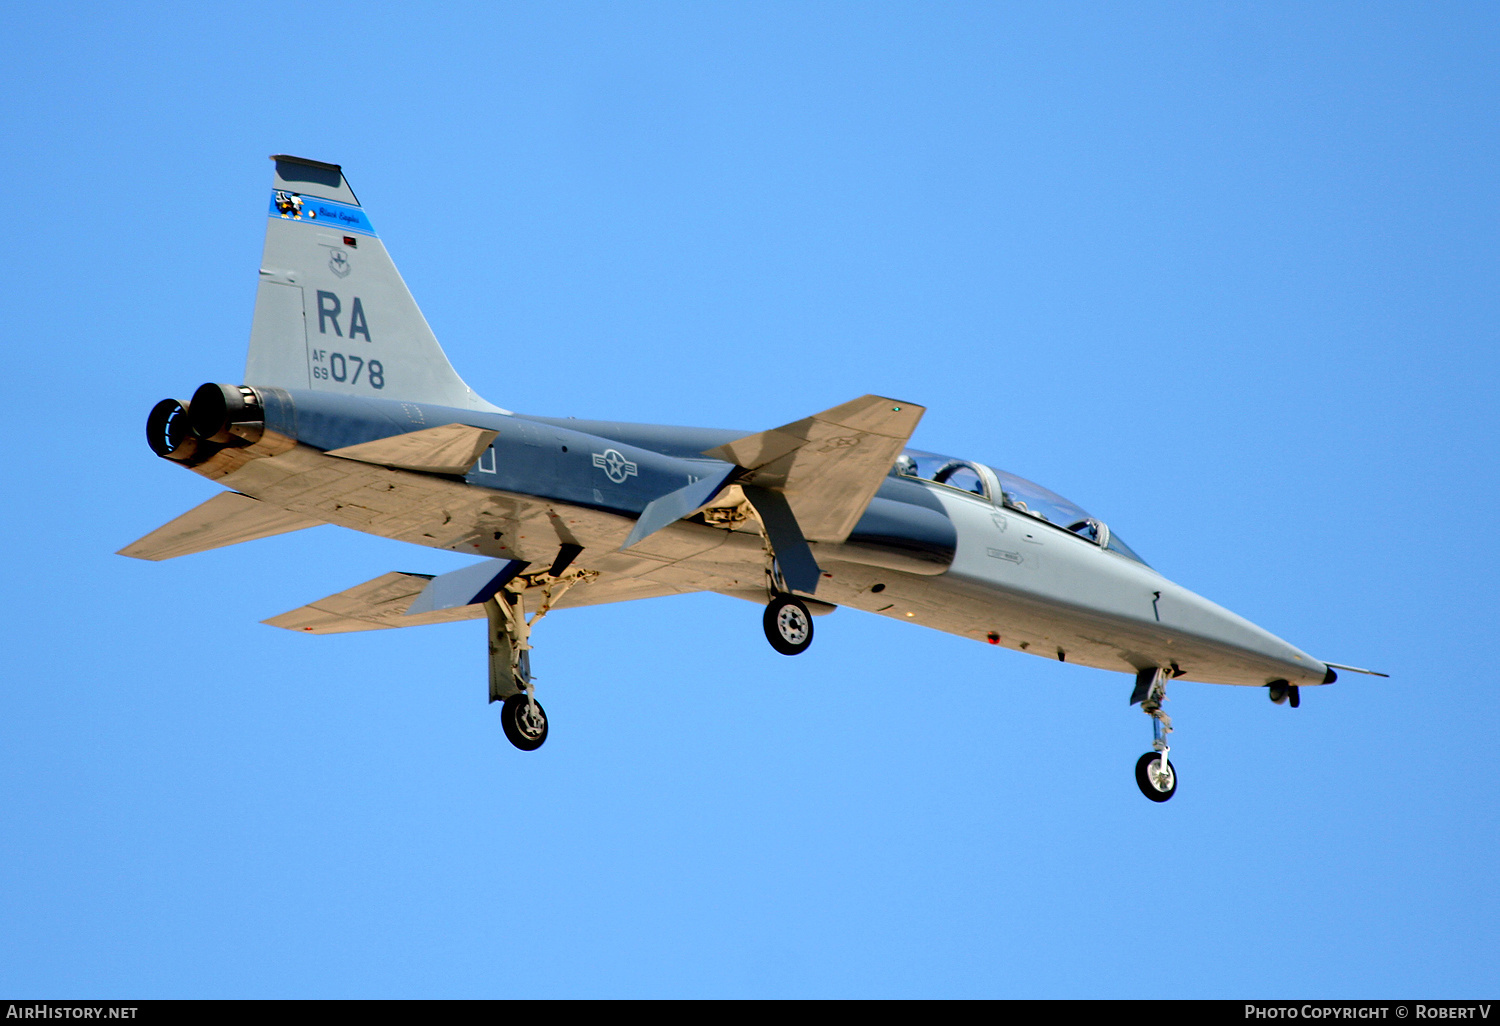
[450, 449]
[372, 606]
[227, 519]
[473, 585]
[830, 465]
[673, 506]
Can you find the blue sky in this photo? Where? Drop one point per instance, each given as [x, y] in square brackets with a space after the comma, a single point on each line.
[1224, 274]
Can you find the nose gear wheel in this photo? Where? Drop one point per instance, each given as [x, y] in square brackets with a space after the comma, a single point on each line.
[1156, 778]
[1154, 773]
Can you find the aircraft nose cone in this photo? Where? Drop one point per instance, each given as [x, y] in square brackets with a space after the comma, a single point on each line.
[1229, 649]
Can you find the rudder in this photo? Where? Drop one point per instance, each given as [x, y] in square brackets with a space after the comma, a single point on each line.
[332, 312]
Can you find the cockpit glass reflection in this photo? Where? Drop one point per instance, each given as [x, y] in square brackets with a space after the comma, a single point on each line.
[1016, 493]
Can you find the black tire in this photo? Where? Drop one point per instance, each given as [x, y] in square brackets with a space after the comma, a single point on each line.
[1143, 780]
[521, 728]
[788, 624]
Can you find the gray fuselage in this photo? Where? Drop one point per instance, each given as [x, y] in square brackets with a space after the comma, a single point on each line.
[923, 552]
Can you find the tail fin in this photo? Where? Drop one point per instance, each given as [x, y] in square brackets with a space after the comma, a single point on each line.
[332, 312]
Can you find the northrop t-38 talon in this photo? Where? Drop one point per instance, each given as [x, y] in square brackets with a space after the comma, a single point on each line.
[350, 414]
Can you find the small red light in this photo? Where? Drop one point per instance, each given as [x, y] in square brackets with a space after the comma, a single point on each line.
[351, 241]
[992, 638]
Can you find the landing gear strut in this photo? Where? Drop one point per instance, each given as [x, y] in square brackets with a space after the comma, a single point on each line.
[788, 624]
[1154, 774]
[521, 715]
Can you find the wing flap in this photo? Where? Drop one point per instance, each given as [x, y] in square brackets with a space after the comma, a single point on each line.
[472, 585]
[227, 519]
[673, 506]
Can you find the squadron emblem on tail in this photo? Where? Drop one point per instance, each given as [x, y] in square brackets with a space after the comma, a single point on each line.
[290, 205]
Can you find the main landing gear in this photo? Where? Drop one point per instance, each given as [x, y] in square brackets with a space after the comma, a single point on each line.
[1154, 774]
[788, 624]
[521, 715]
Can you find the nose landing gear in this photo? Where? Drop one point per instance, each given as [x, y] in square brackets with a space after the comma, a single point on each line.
[1154, 774]
[1281, 692]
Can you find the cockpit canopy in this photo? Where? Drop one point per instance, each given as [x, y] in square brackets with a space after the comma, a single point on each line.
[1016, 493]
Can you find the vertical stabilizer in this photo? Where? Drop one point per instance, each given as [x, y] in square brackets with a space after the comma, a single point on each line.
[332, 313]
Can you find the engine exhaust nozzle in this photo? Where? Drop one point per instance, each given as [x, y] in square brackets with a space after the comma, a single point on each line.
[226, 414]
[168, 432]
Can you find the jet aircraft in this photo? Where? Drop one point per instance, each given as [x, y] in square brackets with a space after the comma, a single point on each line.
[350, 414]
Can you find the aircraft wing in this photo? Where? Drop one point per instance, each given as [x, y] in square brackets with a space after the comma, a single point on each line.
[382, 603]
[606, 590]
[830, 465]
[372, 606]
[227, 519]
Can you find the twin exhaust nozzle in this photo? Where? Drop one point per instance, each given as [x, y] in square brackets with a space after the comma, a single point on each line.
[217, 417]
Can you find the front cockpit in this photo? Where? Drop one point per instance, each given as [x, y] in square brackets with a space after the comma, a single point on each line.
[1012, 493]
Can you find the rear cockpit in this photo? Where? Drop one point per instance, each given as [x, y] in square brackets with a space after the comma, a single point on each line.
[1012, 493]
